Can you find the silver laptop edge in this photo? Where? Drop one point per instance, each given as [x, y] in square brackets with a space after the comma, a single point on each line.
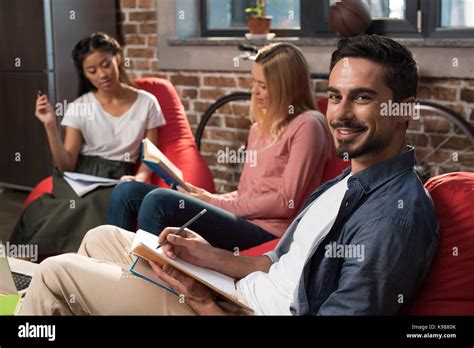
[9, 265]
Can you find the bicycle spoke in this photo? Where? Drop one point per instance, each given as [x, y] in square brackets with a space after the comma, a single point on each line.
[436, 148]
[455, 132]
[450, 159]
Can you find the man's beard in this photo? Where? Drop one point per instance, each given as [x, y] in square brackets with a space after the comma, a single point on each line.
[372, 145]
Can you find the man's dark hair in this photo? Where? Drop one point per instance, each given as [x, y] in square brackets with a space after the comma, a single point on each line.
[400, 70]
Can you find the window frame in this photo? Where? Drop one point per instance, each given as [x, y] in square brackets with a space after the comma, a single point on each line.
[432, 23]
[407, 28]
[306, 6]
[314, 23]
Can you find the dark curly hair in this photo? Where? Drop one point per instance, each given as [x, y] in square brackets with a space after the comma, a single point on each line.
[96, 42]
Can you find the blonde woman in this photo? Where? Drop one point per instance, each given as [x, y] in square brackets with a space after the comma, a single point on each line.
[289, 142]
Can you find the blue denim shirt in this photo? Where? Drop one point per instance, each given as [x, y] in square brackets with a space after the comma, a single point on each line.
[387, 212]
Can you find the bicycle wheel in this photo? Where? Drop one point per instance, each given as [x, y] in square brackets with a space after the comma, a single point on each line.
[218, 104]
[225, 126]
[443, 140]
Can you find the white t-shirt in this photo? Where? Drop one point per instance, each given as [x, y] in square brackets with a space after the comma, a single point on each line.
[271, 293]
[111, 137]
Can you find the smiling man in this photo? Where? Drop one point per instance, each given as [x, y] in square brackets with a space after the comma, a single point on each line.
[360, 86]
[375, 219]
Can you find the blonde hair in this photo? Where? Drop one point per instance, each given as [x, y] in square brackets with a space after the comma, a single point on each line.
[289, 89]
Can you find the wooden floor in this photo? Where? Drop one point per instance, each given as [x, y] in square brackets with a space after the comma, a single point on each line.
[10, 210]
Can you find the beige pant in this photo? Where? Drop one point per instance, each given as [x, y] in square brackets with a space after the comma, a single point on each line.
[97, 281]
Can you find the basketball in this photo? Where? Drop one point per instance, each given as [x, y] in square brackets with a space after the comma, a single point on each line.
[349, 17]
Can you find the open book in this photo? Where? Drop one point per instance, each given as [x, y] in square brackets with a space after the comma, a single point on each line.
[144, 245]
[161, 165]
[83, 183]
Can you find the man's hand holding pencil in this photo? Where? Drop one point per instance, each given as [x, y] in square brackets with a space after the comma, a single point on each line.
[191, 247]
[188, 246]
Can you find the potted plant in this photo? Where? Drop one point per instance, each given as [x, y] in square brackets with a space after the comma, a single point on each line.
[257, 22]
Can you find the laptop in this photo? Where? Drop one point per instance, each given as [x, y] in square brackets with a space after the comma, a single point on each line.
[15, 275]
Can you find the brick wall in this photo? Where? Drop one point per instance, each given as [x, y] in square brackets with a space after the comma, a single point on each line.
[229, 128]
[138, 29]
[458, 95]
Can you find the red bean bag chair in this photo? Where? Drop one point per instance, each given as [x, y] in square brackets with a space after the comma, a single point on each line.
[449, 287]
[175, 140]
[333, 168]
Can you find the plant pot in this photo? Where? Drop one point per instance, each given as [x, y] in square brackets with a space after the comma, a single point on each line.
[259, 25]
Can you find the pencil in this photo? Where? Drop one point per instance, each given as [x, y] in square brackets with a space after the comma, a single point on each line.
[181, 229]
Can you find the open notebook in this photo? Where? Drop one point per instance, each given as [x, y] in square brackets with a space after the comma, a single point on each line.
[84, 183]
[144, 245]
[161, 165]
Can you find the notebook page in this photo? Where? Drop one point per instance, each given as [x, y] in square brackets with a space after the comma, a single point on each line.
[154, 152]
[83, 187]
[216, 279]
[88, 178]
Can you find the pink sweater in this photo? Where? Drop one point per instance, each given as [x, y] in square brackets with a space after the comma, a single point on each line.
[271, 192]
